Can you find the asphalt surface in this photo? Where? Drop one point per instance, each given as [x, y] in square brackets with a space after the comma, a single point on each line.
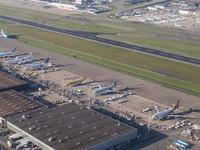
[93, 36]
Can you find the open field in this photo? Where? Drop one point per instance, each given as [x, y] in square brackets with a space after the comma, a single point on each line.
[86, 26]
[25, 13]
[114, 58]
[174, 46]
[3, 23]
[142, 28]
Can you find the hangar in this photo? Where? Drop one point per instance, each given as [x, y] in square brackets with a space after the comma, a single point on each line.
[72, 126]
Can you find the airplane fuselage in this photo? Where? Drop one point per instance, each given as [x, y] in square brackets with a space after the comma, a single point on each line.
[19, 59]
[104, 90]
[162, 114]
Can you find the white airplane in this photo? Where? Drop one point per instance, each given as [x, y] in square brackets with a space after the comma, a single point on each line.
[181, 19]
[149, 18]
[19, 60]
[3, 35]
[172, 20]
[5, 54]
[198, 21]
[157, 22]
[177, 25]
[137, 15]
[157, 18]
[166, 113]
[164, 20]
[172, 16]
[106, 89]
[142, 20]
[32, 66]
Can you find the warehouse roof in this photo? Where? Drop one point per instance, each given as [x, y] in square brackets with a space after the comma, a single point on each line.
[8, 82]
[71, 126]
[14, 103]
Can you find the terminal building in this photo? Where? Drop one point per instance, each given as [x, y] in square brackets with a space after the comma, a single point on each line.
[8, 82]
[71, 126]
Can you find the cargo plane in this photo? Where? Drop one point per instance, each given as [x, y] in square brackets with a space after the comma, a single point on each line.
[76, 82]
[19, 60]
[106, 89]
[7, 54]
[36, 66]
[166, 113]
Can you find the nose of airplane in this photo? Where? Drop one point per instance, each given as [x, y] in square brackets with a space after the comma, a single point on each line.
[154, 117]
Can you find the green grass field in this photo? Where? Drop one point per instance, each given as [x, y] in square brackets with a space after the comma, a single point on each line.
[3, 22]
[25, 13]
[175, 46]
[142, 28]
[128, 58]
[91, 27]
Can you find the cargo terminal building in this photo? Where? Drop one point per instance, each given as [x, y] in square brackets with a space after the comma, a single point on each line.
[14, 104]
[71, 126]
[8, 82]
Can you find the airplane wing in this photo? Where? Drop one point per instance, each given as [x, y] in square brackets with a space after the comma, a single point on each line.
[158, 109]
[175, 116]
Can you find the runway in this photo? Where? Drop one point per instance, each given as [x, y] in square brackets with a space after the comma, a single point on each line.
[93, 36]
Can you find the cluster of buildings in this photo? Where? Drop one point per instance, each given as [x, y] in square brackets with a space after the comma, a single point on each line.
[70, 126]
[79, 5]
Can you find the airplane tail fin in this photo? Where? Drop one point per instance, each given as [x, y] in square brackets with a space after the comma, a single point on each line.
[115, 83]
[46, 61]
[14, 50]
[85, 77]
[30, 55]
[176, 106]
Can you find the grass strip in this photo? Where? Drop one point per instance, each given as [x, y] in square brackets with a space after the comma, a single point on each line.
[142, 28]
[170, 45]
[25, 14]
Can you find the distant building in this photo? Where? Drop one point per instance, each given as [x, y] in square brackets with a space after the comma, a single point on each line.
[139, 1]
[79, 2]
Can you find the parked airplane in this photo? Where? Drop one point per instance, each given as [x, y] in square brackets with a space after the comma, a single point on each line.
[142, 20]
[76, 82]
[157, 18]
[7, 54]
[106, 89]
[172, 16]
[32, 66]
[157, 22]
[177, 25]
[137, 15]
[19, 60]
[164, 20]
[166, 113]
[172, 20]
[3, 35]
[181, 19]
[149, 18]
